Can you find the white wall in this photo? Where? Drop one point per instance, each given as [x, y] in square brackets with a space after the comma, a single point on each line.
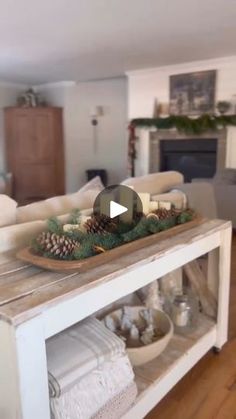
[8, 96]
[144, 86]
[53, 93]
[112, 130]
[77, 100]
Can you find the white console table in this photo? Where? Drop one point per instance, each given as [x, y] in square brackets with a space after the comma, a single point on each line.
[37, 304]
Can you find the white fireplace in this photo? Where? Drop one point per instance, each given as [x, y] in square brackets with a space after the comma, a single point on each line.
[149, 150]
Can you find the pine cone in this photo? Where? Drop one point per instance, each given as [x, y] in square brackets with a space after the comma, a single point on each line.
[99, 224]
[163, 213]
[138, 216]
[58, 246]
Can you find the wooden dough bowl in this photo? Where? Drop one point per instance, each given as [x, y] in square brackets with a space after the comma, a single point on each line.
[28, 255]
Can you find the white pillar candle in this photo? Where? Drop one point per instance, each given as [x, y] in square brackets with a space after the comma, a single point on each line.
[165, 204]
[145, 199]
[153, 206]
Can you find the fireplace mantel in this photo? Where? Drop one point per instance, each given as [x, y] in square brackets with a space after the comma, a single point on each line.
[148, 147]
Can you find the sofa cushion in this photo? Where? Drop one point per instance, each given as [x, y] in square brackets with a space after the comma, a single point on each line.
[155, 183]
[92, 184]
[7, 210]
[59, 205]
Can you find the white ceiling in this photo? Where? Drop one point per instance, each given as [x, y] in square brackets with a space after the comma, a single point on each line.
[53, 40]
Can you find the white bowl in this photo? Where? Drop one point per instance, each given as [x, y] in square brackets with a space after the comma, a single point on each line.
[146, 353]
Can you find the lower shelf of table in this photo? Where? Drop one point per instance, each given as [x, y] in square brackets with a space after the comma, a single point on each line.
[155, 379]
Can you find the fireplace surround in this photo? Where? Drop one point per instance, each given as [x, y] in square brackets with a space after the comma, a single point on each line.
[194, 155]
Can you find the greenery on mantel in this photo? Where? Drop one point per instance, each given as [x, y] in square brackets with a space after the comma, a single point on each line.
[184, 124]
[187, 124]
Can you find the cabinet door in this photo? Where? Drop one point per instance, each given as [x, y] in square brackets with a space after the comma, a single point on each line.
[31, 153]
[33, 137]
[34, 182]
[21, 141]
[43, 137]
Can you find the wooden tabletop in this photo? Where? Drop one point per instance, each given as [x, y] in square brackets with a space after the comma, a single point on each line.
[26, 291]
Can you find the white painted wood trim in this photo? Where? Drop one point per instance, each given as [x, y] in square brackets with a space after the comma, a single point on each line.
[224, 287]
[231, 147]
[189, 65]
[142, 161]
[23, 366]
[156, 391]
[213, 272]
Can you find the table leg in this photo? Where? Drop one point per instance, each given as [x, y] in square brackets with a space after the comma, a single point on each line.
[213, 272]
[23, 371]
[224, 287]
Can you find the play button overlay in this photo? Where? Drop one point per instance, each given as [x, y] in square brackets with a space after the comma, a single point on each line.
[116, 209]
[120, 203]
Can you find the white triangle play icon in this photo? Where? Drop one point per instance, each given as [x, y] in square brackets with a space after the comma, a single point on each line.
[116, 209]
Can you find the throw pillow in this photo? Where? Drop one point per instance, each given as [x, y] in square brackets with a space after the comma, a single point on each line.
[155, 183]
[60, 205]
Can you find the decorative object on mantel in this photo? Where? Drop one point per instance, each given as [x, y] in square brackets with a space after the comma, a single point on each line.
[182, 123]
[156, 108]
[192, 93]
[74, 249]
[146, 332]
[233, 103]
[30, 99]
[223, 106]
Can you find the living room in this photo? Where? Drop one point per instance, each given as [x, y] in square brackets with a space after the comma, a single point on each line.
[117, 209]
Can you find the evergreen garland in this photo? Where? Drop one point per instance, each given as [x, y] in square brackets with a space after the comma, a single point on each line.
[90, 243]
[183, 123]
[187, 124]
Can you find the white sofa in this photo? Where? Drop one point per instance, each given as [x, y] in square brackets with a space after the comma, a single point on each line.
[20, 224]
[157, 184]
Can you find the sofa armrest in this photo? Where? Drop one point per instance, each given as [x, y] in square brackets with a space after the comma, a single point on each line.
[200, 197]
[201, 180]
[226, 202]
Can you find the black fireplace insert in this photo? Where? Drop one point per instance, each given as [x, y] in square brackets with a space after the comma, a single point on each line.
[194, 158]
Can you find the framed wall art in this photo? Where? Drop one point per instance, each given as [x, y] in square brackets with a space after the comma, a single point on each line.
[193, 93]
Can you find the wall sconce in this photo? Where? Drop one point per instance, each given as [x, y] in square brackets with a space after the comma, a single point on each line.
[95, 113]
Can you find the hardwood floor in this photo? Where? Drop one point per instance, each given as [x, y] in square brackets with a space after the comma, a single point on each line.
[208, 391]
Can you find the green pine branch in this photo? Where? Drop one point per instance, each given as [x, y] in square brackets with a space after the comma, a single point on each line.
[107, 241]
[186, 124]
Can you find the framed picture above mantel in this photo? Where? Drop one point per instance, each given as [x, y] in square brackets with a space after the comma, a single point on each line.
[193, 93]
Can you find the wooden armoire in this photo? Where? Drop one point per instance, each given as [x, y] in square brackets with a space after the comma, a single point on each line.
[35, 152]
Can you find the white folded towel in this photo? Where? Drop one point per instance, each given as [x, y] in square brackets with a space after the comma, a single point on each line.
[77, 351]
[89, 395]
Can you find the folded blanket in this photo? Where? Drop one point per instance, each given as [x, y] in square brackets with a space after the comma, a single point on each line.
[77, 351]
[118, 405]
[93, 391]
